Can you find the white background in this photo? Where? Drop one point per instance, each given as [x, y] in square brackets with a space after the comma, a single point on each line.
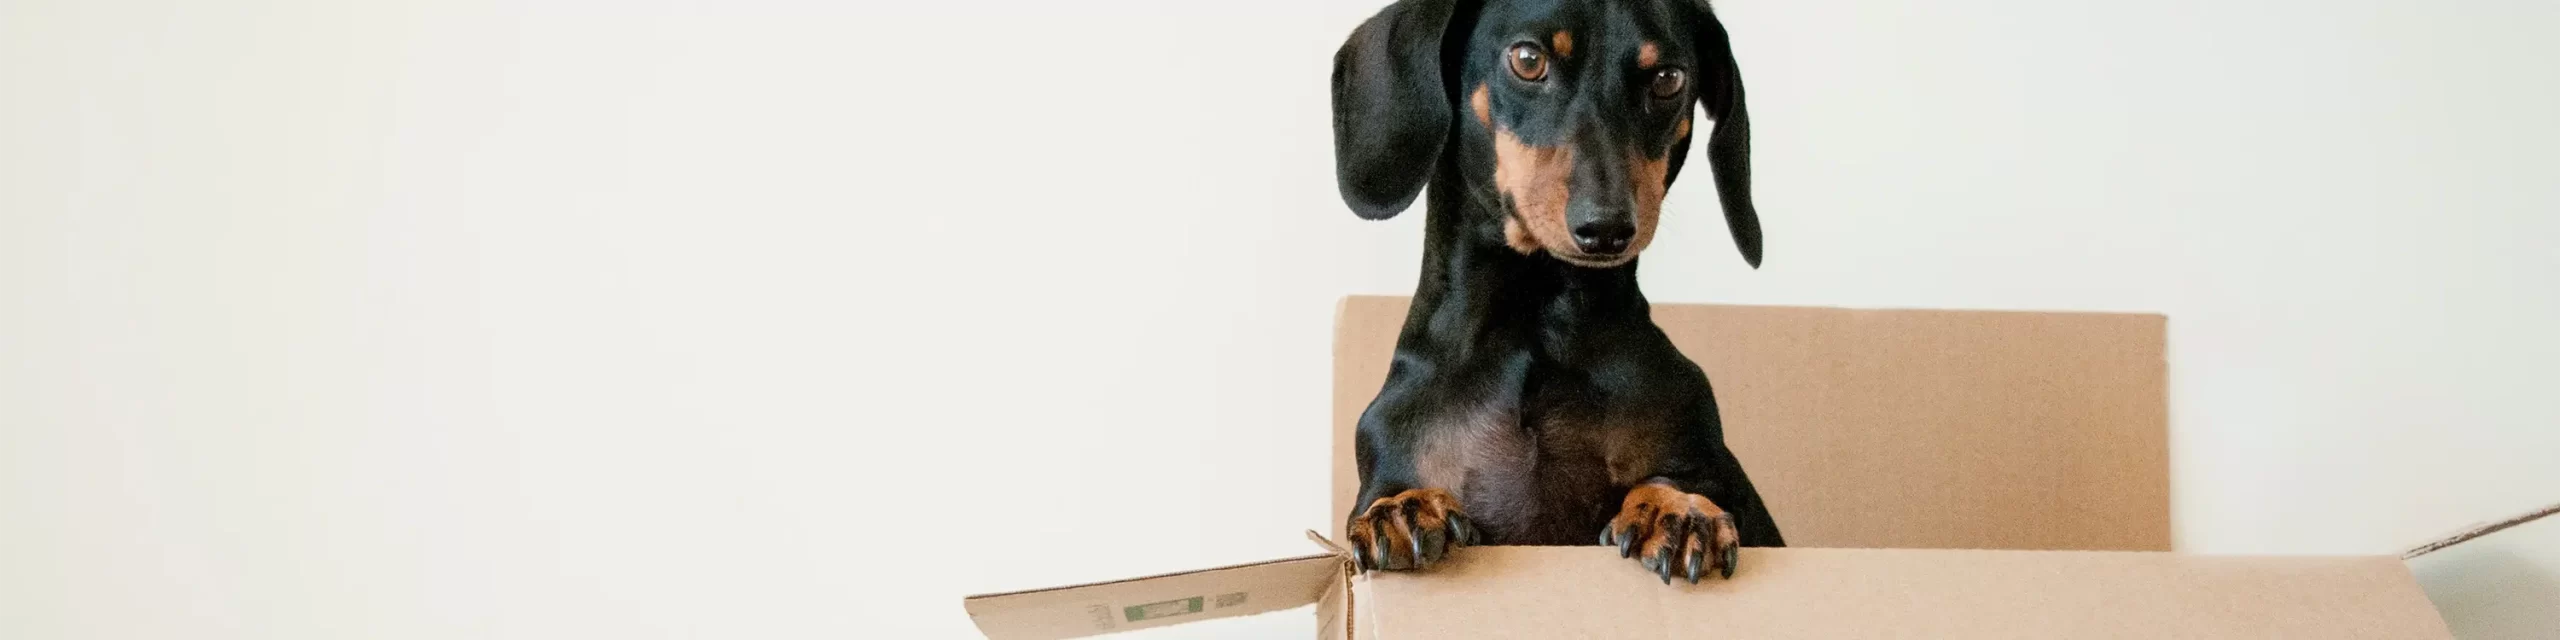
[763, 319]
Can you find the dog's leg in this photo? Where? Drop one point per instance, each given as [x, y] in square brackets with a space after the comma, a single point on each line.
[1673, 532]
[1411, 529]
[1406, 517]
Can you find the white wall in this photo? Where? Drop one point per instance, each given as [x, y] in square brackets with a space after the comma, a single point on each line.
[801, 319]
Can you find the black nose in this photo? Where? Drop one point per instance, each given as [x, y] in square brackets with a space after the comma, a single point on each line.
[1603, 237]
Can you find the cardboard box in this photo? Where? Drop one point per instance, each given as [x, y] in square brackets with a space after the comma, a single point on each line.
[1897, 428]
[1938, 473]
[1589, 592]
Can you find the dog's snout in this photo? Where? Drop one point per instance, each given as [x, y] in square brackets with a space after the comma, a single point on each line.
[1603, 237]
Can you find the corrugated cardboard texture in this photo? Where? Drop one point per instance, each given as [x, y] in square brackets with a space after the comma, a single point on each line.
[1154, 601]
[1334, 610]
[1587, 592]
[1900, 429]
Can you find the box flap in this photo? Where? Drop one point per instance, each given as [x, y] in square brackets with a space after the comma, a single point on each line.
[2475, 531]
[1154, 601]
[1899, 428]
[1556, 592]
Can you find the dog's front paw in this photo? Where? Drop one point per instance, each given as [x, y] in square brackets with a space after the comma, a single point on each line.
[1673, 533]
[1409, 530]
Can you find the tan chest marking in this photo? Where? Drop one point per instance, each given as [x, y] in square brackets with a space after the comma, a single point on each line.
[1454, 448]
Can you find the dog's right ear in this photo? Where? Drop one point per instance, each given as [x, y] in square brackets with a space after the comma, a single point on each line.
[1729, 147]
[1390, 107]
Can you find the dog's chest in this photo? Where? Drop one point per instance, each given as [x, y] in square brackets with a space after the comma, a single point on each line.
[1539, 469]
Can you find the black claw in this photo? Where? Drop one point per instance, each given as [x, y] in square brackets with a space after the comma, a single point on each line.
[1663, 563]
[1412, 540]
[1697, 565]
[1360, 556]
[1435, 543]
[1414, 543]
[1699, 544]
[1730, 555]
[1463, 529]
[1690, 546]
[1605, 540]
[1378, 545]
[1627, 543]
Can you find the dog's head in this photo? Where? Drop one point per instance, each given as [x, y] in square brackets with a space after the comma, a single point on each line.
[1573, 115]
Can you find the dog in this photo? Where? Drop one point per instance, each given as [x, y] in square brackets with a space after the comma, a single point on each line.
[1532, 401]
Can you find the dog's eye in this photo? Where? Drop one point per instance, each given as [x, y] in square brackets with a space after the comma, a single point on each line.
[1528, 62]
[1667, 83]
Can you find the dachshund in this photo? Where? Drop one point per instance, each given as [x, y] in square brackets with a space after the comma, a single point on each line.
[1532, 400]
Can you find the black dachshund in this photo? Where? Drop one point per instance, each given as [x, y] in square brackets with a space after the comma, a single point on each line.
[1532, 400]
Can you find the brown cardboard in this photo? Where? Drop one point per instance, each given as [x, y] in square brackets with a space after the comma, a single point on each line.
[1912, 429]
[1899, 428]
[1588, 592]
[1154, 601]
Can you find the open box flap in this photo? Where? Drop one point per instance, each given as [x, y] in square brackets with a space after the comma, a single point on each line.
[2475, 531]
[1154, 601]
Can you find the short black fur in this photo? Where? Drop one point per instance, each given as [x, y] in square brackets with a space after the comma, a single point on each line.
[1537, 392]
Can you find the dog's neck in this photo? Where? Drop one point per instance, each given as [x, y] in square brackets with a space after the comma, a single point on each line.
[1476, 290]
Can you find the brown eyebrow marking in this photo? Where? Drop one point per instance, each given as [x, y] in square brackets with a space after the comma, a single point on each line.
[1684, 128]
[1563, 42]
[1647, 55]
[1482, 101]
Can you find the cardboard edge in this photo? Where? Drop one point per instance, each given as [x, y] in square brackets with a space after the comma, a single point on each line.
[2475, 531]
[1335, 607]
[1300, 581]
[1244, 565]
[1346, 301]
[1168, 599]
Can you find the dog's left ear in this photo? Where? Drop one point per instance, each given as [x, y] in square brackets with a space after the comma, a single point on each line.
[1729, 147]
[1390, 107]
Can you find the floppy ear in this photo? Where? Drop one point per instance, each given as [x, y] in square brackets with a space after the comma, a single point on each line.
[1390, 107]
[1729, 147]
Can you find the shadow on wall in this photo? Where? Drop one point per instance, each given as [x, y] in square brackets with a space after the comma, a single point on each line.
[2488, 590]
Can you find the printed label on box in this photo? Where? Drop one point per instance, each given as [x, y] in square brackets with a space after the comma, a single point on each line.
[1166, 609]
